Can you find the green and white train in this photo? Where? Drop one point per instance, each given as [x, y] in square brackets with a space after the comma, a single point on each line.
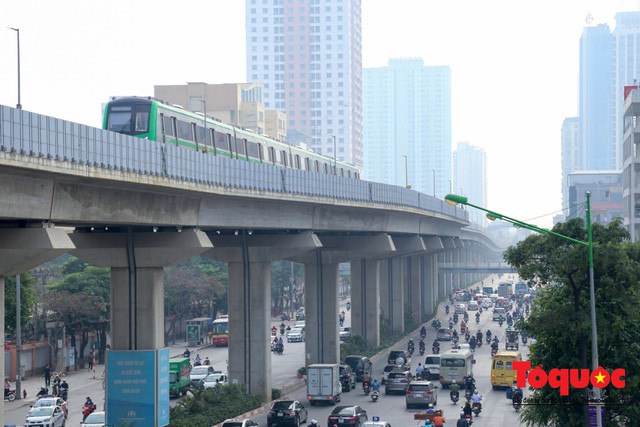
[154, 120]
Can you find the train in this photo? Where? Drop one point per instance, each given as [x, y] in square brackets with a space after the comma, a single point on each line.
[155, 120]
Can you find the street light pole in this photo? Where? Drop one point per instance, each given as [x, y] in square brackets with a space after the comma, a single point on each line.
[17, 30]
[434, 182]
[204, 121]
[406, 172]
[335, 162]
[454, 199]
[18, 338]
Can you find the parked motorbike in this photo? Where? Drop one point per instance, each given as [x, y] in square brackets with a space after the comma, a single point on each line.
[10, 396]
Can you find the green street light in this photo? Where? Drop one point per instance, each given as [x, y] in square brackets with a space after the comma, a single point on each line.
[454, 199]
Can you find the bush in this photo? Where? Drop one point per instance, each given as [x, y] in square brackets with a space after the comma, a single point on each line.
[302, 371]
[211, 406]
[276, 393]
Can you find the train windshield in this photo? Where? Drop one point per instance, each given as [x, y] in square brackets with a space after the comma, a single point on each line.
[130, 119]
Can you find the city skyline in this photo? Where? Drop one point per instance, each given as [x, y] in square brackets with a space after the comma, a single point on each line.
[514, 69]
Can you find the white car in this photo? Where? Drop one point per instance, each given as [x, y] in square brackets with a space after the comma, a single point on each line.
[432, 364]
[486, 303]
[295, 335]
[345, 333]
[472, 306]
[462, 346]
[214, 379]
[49, 416]
[95, 419]
[460, 308]
[299, 324]
[52, 401]
[199, 372]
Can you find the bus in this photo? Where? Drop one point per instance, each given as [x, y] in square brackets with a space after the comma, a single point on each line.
[504, 289]
[220, 332]
[521, 288]
[502, 372]
[456, 365]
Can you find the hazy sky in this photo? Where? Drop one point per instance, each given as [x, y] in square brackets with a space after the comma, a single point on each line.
[514, 67]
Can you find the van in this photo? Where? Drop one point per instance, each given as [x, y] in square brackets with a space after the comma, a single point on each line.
[502, 372]
[361, 365]
[432, 364]
[179, 376]
[456, 365]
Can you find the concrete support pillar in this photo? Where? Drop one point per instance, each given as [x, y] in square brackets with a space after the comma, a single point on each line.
[430, 281]
[249, 318]
[386, 290]
[442, 277]
[357, 297]
[321, 308]
[415, 279]
[2, 343]
[365, 288]
[145, 313]
[397, 272]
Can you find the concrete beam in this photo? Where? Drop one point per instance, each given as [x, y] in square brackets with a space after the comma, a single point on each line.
[22, 249]
[262, 247]
[433, 243]
[408, 245]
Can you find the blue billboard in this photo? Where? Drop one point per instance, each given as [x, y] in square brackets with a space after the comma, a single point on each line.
[134, 384]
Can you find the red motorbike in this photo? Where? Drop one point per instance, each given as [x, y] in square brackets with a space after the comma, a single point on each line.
[87, 409]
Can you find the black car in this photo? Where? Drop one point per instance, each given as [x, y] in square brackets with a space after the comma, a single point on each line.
[395, 354]
[361, 365]
[287, 412]
[347, 415]
[347, 378]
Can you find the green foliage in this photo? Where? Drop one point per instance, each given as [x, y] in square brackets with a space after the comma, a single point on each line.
[27, 301]
[205, 408]
[280, 282]
[560, 318]
[276, 393]
[355, 344]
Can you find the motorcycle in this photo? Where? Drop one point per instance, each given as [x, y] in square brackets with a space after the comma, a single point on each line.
[500, 322]
[87, 409]
[467, 418]
[374, 396]
[279, 349]
[478, 342]
[455, 396]
[477, 320]
[10, 396]
[435, 349]
[366, 388]
[422, 348]
[467, 394]
[517, 404]
[476, 408]
[446, 309]
[494, 350]
[411, 348]
[64, 393]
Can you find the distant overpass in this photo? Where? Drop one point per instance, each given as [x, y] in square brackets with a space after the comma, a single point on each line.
[477, 267]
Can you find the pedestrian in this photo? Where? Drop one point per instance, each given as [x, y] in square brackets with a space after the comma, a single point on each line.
[47, 376]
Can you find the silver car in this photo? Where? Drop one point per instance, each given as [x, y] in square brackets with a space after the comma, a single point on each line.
[51, 416]
[397, 382]
[295, 335]
[421, 393]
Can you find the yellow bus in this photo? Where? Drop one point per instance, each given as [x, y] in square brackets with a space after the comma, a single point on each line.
[502, 372]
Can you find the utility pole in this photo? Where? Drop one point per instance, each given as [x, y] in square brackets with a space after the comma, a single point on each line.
[18, 339]
[19, 106]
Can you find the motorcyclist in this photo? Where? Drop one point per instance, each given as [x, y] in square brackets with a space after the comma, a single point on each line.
[375, 385]
[419, 370]
[197, 359]
[423, 331]
[465, 316]
[500, 320]
[206, 361]
[462, 422]
[410, 346]
[88, 408]
[436, 344]
[455, 317]
[470, 384]
[446, 309]
[479, 335]
[476, 400]
[518, 395]
[454, 394]
[477, 317]
[421, 346]
[454, 335]
[43, 392]
[366, 386]
[472, 344]
[7, 387]
[467, 410]
[187, 353]
[282, 326]
[489, 334]
[64, 389]
[463, 326]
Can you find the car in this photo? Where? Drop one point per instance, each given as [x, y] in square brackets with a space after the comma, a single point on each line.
[299, 324]
[287, 412]
[345, 332]
[95, 419]
[376, 423]
[50, 416]
[494, 297]
[472, 306]
[486, 303]
[499, 311]
[388, 369]
[295, 335]
[212, 380]
[300, 314]
[432, 364]
[397, 382]
[238, 422]
[361, 365]
[347, 378]
[52, 401]
[421, 393]
[347, 415]
[198, 373]
[460, 308]
[395, 354]
[462, 346]
[444, 334]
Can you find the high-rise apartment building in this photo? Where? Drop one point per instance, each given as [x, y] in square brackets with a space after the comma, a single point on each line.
[308, 56]
[570, 152]
[407, 125]
[470, 177]
[597, 138]
[631, 163]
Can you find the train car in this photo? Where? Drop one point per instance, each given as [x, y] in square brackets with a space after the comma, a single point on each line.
[152, 119]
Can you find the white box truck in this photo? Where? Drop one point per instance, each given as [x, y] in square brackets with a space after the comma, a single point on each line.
[323, 383]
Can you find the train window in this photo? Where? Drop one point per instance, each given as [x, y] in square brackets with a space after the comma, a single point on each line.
[168, 126]
[200, 134]
[316, 166]
[307, 164]
[252, 150]
[193, 132]
[325, 168]
[283, 158]
[241, 146]
[232, 144]
[185, 131]
[272, 155]
[129, 119]
[297, 163]
[348, 174]
[221, 141]
[260, 152]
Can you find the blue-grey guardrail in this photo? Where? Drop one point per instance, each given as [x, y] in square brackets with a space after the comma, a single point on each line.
[33, 134]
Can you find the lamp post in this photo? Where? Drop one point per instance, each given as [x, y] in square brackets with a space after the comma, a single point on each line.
[406, 172]
[335, 153]
[434, 182]
[454, 200]
[204, 122]
[17, 30]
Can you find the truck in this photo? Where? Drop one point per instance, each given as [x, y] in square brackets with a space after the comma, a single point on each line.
[179, 381]
[323, 383]
[487, 290]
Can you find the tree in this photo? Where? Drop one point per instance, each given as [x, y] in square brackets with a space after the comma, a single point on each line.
[280, 283]
[560, 320]
[27, 301]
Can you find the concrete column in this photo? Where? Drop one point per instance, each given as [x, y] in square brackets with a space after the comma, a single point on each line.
[321, 308]
[249, 317]
[397, 273]
[386, 290]
[430, 283]
[148, 314]
[2, 344]
[442, 278]
[415, 279]
[372, 303]
[357, 297]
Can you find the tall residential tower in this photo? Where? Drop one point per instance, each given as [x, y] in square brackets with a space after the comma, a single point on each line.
[308, 56]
